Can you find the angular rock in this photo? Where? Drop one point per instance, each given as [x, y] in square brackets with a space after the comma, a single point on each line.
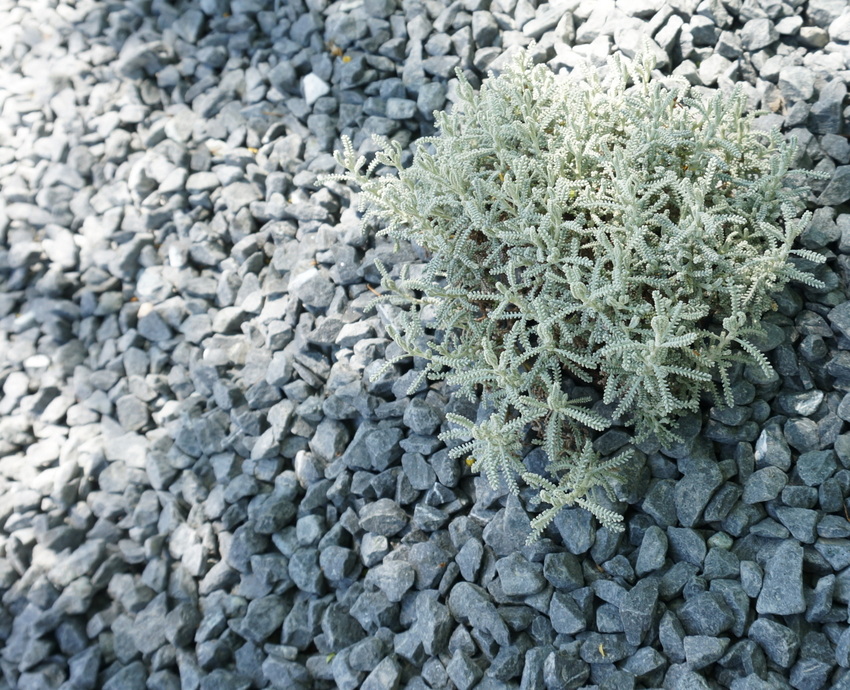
[471, 605]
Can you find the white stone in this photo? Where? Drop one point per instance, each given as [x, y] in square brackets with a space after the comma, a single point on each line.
[788, 26]
[596, 52]
[839, 30]
[713, 67]
[314, 88]
[600, 22]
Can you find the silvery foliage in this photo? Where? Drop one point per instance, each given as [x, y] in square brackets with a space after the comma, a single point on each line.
[621, 233]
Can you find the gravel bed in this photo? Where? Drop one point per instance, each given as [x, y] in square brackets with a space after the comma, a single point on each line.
[200, 484]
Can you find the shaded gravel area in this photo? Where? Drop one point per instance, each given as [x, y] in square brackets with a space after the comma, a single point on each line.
[201, 486]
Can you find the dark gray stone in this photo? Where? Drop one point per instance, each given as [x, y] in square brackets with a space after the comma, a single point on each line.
[463, 671]
[431, 97]
[130, 677]
[659, 503]
[702, 650]
[563, 571]
[428, 518]
[737, 600]
[374, 447]
[419, 473]
[150, 626]
[271, 514]
[154, 328]
[836, 147]
[779, 642]
[653, 551]
[181, 623]
[366, 654]
[800, 522]
[281, 672]
[509, 529]
[163, 680]
[637, 610]
[575, 526]
[671, 634]
[383, 517]
[471, 605]
[469, 559]
[305, 572]
[433, 625]
[842, 649]
[566, 615]
[221, 679]
[826, 115]
[837, 192]
[833, 527]
[687, 545]
[772, 448]
[393, 578]
[532, 673]
[263, 617]
[815, 467]
[693, 492]
[421, 417]
[339, 628]
[245, 543]
[562, 670]
[782, 590]
[430, 560]
[720, 563]
[796, 83]
[706, 614]
[337, 562]
[764, 485]
[598, 648]
[518, 576]
[387, 674]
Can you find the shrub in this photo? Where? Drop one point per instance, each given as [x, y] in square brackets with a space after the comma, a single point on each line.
[625, 234]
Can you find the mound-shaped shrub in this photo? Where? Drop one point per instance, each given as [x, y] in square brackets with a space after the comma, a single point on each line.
[625, 234]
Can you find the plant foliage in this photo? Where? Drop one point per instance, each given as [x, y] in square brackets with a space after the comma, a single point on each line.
[623, 233]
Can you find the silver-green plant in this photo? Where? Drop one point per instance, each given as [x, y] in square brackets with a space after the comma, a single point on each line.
[625, 233]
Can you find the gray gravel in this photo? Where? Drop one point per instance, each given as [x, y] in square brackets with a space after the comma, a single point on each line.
[200, 484]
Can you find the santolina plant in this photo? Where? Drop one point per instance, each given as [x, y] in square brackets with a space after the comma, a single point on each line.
[624, 234]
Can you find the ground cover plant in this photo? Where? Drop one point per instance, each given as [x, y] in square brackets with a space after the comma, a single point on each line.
[622, 235]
